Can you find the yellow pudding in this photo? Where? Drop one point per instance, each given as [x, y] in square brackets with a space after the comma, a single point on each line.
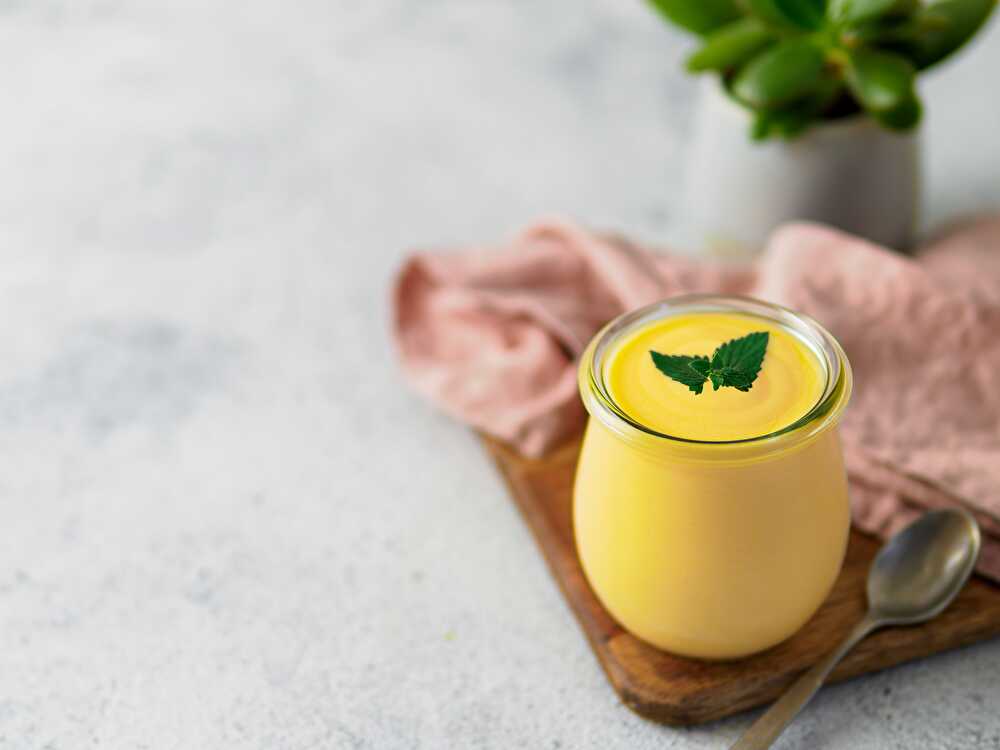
[789, 385]
[701, 530]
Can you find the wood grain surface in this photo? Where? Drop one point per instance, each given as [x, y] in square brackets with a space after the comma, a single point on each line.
[681, 691]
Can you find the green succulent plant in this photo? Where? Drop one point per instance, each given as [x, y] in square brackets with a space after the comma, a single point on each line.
[794, 63]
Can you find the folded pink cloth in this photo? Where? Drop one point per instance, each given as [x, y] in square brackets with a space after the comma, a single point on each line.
[491, 336]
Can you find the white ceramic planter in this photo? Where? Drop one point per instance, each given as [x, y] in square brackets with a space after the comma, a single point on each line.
[851, 174]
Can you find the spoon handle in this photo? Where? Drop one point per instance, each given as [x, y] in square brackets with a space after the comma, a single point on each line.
[763, 732]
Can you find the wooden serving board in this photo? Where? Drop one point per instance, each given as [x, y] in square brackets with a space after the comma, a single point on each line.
[682, 691]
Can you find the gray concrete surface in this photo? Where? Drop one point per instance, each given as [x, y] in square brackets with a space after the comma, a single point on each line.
[225, 521]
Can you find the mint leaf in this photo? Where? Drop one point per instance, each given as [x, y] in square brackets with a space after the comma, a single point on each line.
[691, 371]
[701, 365]
[737, 379]
[735, 364]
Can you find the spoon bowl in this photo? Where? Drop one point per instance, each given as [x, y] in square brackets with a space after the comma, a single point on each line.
[922, 568]
[913, 578]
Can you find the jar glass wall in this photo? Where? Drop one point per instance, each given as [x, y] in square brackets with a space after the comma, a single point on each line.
[712, 549]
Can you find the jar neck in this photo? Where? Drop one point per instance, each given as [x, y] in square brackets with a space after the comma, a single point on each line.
[824, 415]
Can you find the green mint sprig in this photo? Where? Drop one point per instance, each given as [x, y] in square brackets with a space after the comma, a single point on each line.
[735, 363]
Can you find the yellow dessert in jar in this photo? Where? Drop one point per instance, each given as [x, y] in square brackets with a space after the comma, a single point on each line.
[712, 524]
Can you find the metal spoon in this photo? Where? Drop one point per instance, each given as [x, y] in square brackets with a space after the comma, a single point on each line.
[913, 578]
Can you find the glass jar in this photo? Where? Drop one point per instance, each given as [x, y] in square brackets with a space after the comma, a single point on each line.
[710, 549]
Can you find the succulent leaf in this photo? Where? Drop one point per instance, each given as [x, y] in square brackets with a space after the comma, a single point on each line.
[789, 14]
[760, 126]
[886, 33]
[790, 122]
[787, 71]
[700, 16]
[809, 14]
[730, 46]
[881, 81]
[793, 119]
[941, 28]
[906, 116]
[857, 12]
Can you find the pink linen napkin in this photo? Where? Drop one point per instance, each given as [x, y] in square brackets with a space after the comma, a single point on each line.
[491, 336]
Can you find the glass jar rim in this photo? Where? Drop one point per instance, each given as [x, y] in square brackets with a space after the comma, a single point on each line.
[824, 413]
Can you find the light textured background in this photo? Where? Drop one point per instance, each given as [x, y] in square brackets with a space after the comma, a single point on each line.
[225, 521]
